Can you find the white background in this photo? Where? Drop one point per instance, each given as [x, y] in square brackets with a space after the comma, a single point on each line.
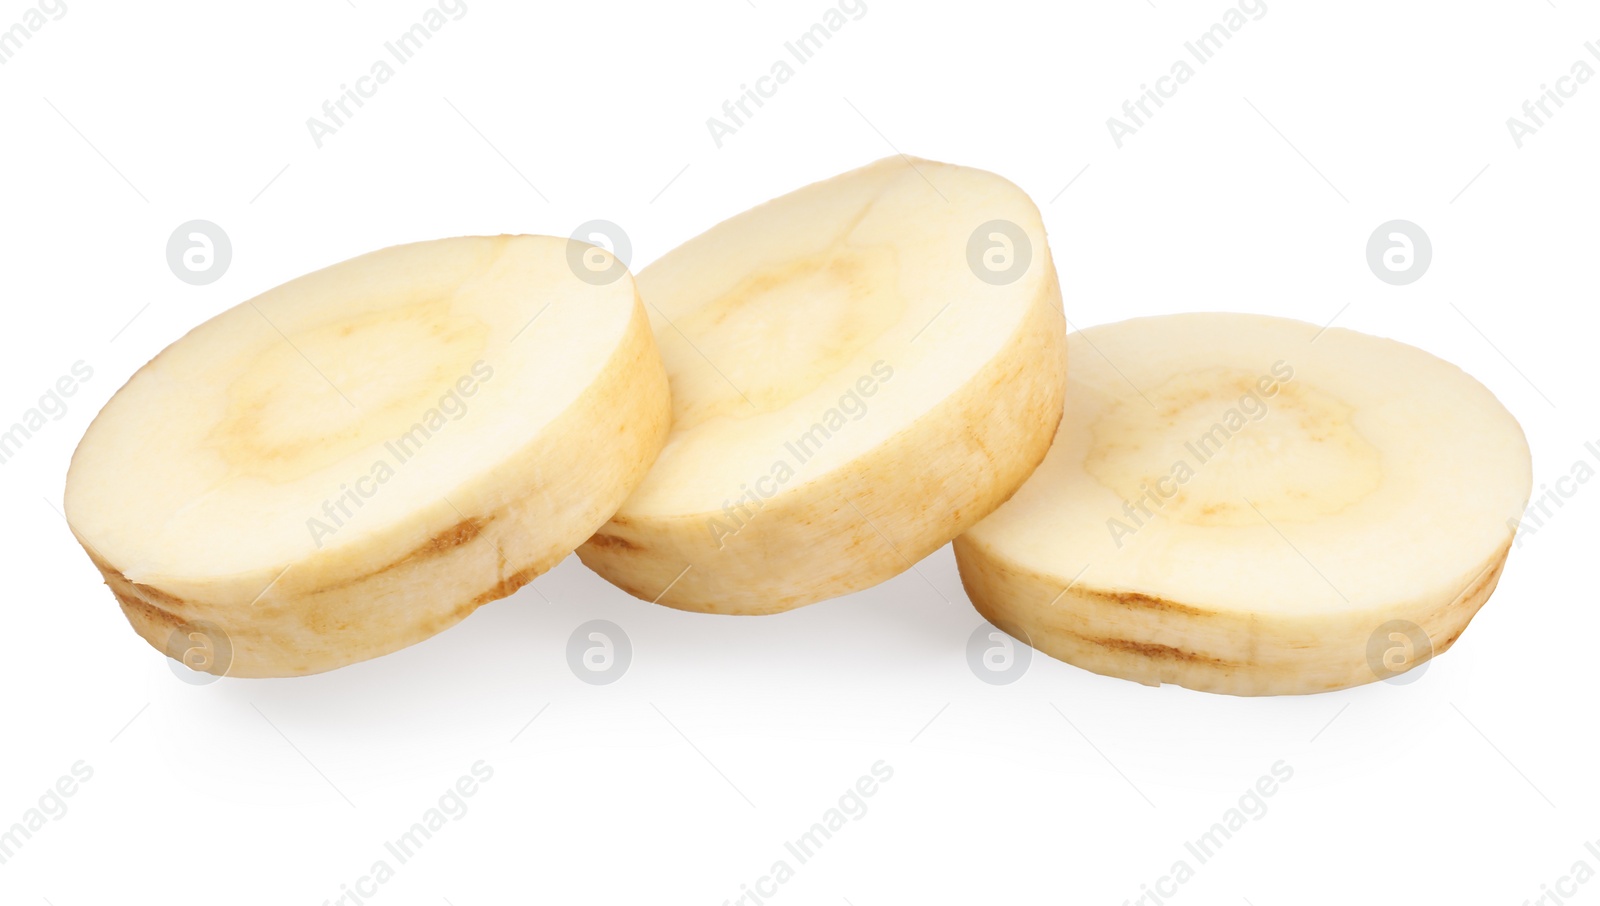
[1254, 189]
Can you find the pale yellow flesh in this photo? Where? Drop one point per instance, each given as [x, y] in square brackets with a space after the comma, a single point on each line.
[847, 394]
[1237, 503]
[202, 489]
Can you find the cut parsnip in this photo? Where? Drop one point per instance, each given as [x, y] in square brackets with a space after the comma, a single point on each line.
[355, 460]
[1242, 504]
[860, 370]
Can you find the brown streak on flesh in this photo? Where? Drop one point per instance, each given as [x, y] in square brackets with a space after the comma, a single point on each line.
[1151, 650]
[611, 542]
[504, 588]
[156, 595]
[451, 538]
[1133, 599]
[1475, 596]
[146, 610]
[147, 597]
[1489, 578]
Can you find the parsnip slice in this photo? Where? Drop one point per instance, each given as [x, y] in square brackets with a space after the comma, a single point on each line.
[860, 370]
[355, 460]
[1242, 504]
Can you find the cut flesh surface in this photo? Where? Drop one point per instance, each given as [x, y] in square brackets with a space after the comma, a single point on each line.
[1244, 504]
[355, 460]
[850, 391]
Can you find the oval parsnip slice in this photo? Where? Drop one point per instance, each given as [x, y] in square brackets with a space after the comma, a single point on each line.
[860, 370]
[1250, 505]
[357, 459]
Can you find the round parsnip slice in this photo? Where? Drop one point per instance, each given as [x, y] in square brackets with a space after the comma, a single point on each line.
[860, 370]
[1249, 505]
[357, 459]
